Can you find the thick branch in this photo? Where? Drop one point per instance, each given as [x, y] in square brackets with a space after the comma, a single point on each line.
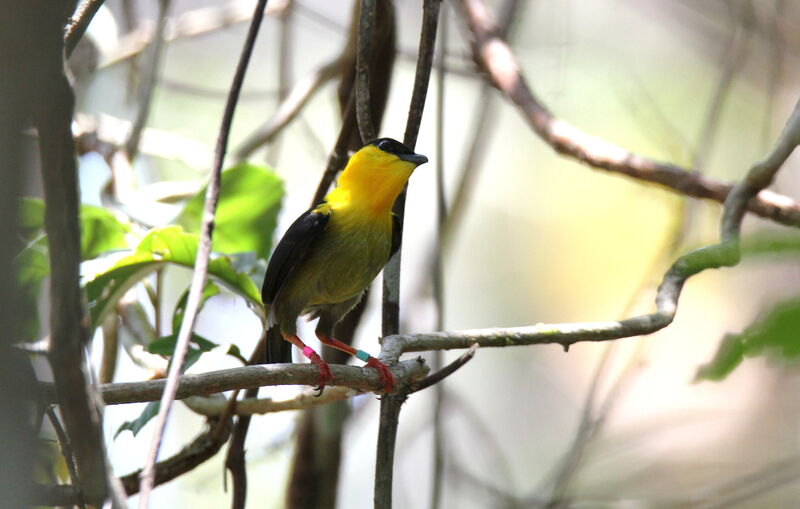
[366, 25]
[247, 377]
[493, 55]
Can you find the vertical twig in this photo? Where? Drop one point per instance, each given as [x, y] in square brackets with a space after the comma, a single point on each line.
[387, 436]
[390, 404]
[391, 273]
[437, 276]
[366, 25]
[201, 262]
[78, 24]
[147, 84]
[66, 452]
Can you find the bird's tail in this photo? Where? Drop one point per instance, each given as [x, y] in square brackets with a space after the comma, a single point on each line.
[278, 350]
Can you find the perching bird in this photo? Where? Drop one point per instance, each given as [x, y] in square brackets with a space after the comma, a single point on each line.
[331, 253]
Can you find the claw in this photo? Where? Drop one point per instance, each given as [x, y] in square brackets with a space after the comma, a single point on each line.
[324, 373]
[387, 379]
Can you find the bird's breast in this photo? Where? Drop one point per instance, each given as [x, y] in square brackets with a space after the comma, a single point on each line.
[351, 252]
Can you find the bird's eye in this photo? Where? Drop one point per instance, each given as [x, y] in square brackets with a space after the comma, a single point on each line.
[385, 145]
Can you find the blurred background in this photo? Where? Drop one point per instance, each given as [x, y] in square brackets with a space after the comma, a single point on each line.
[538, 238]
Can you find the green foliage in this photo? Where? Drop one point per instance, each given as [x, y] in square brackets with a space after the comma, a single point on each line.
[776, 335]
[159, 247]
[136, 425]
[771, 243]
[250, 199]
[100, 232]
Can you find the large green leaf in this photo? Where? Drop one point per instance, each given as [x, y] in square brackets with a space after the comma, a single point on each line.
[100, 232]
[776, 334]
[247, 213]
[136, 425]
[159, 247]
[100, 229]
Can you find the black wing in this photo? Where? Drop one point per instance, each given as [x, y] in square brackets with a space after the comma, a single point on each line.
[292, 250]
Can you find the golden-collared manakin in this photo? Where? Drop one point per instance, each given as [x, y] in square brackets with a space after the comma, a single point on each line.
[332, 252]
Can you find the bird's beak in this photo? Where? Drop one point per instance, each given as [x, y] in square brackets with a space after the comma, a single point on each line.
[413, 158]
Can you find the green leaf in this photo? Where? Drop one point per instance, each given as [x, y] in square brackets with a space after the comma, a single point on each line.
[100, 229]
[771, 243]
[728, 357]
[31, 267]
[776, 334]
[31, 217]
[100, 232]
[136, 425]
[234, 352]
[180, 308]
[159, 247]
[198, 345]
[246, 216]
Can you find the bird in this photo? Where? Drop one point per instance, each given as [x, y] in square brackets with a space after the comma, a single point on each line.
[331, 253]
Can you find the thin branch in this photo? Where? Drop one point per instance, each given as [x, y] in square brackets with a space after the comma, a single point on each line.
[192, 23]
[437, 277]
[253, 406]
[66, 452]
[203, 447]
[390, 404]
[494, 55]
[366, 25]
[289, 108]
[248, 377]
[446, 371]
[202, 259]
[78, 24]
[147, 85]
[724, 254]
[338, 157]
[384, 457]
[390, 309]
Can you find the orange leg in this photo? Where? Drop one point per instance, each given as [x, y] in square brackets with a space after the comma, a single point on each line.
[324, 371]
[387, 380]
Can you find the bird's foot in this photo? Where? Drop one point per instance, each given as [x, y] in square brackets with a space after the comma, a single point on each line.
[325, 375]
[387, 379]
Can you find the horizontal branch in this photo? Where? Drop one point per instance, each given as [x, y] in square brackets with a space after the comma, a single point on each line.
[493, 55]
[364, 379]
[250, 406]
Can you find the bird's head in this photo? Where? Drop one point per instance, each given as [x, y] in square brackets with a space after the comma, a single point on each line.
[378, 172]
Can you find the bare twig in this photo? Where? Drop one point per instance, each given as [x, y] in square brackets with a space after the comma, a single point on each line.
[246, 377]
[78, 24]
[252, 406]
[384, 458]
[493, 55]
[147, 85]
[289, 108]
[190, 24]
[366, 25]
[66, 452]
[437, 276]
[724, 254]
[390, 404]
[446, 371]
[201, 261]
[108, 362]
[338, 157]
[390, 309]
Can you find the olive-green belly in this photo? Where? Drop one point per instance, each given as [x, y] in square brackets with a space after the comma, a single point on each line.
[345, 261]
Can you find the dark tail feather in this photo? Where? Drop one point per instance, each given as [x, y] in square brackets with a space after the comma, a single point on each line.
[278, 349]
